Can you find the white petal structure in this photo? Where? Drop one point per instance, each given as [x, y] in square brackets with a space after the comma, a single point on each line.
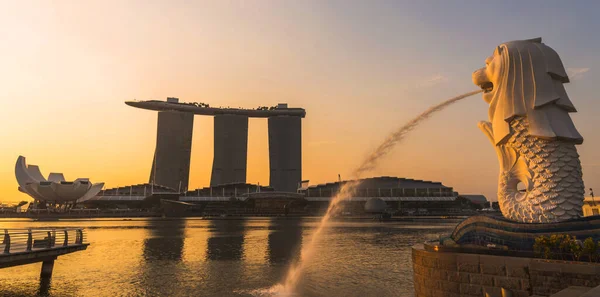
[56, 177]
[55, 188]
[34, 172]
[94, 190]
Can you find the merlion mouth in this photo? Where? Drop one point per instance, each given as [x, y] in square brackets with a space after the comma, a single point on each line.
[481, 80]
[487, 86]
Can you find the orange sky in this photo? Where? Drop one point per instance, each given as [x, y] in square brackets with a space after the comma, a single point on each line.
[68, 66]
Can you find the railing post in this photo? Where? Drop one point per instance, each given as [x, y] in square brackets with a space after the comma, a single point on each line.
[80, 231]
[29, 240]
[6, 242]
[49, 239]
[66, 238]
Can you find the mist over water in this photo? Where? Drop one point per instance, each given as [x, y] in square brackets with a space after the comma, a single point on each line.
[347, 190]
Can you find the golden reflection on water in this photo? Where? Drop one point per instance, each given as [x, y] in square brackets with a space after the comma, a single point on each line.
[195, 244]
[255, 249]
[193, 257]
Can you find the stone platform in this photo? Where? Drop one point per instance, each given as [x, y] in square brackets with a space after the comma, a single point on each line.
[451, 274]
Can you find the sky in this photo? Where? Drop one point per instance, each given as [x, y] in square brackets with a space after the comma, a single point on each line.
[360, 69]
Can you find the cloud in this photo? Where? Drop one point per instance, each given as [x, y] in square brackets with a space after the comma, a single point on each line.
[424, 82]
[576, 73]
[431, 81]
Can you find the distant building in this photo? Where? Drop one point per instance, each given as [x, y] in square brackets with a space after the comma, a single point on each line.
[53, 192]
[401, 195]
[476, 199]
[393, 188]
[591, 206]
[171, 162]
[389, 195]
[133, 196]
[149, 195]
[230, 190]
[243, 198]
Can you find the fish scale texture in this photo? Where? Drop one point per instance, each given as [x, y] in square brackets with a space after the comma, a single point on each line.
[556, 186]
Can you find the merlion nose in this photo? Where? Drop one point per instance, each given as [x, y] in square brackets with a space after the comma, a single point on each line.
[478, 76]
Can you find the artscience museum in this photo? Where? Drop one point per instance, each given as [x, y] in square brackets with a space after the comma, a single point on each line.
[54, 191]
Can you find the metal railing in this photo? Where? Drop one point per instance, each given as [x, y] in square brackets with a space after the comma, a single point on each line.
[35, 239]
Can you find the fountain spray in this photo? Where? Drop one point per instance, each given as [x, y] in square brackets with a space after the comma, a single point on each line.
[348, 189]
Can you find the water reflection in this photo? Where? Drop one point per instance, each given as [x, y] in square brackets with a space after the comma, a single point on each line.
[162, 254]
[226, 241]
[285, 240]
[165, 240]
[193, 257]
[224, 254]
[44, 289]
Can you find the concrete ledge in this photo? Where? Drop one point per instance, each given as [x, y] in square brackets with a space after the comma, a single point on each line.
[592, 292]
[439, 273]
[572, 292]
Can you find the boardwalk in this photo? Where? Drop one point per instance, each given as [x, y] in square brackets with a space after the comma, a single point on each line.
[26, 246]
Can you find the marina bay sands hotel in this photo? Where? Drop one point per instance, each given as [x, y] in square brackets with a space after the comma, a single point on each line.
[171, 163]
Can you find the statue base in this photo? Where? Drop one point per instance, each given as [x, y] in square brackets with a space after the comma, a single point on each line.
[491, 256]
[455, 274]
[495, 233]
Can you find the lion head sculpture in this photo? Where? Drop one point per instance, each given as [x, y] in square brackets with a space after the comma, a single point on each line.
[525, 78]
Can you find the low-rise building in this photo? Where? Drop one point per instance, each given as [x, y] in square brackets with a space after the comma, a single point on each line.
[591, 206]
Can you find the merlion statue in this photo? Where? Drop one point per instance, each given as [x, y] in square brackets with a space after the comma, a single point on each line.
[532, 132]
